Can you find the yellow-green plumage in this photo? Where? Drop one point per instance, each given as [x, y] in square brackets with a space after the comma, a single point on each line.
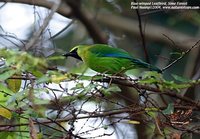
[105, 59]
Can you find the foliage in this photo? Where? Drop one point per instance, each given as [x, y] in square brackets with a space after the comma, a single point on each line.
[42, 96]
[25, 78]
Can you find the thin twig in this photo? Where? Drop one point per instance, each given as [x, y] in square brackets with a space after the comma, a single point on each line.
[174, 44]
[3, 5]
[167, 92]
[182, 55]
[63, 9]
[70, 117]
[142, 35]
[44, 25]
[68, 25]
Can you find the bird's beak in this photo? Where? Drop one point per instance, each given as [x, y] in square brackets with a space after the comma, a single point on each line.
[67, 54]
[72, 54]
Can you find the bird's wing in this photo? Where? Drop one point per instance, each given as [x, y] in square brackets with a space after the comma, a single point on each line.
[105, 51]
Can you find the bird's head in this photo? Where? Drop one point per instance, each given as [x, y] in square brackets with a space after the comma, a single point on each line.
[73, 53]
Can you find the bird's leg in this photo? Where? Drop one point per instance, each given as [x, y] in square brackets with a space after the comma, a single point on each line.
[110, 82]
[104, 75]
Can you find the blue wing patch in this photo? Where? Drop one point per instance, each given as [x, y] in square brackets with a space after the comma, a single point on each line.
[106, 51]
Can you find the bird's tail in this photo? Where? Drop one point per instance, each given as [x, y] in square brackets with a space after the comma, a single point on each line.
[153, 68]
[146, 65]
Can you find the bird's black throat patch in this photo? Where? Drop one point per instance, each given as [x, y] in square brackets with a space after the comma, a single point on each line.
[73, 54]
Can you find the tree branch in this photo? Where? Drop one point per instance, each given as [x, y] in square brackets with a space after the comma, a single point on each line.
[91, 26]
[64, 9]
[182, 55]
[152, 32]
[135, 85]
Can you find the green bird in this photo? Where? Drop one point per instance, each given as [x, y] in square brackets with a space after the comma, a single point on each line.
[103, 58]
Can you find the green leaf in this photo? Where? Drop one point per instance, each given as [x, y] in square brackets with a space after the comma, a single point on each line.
[58, 78]
[4, 94]
[18, 96]
[148, 81]
[39, 135]
[109, 91]
[78, 86]
[113, 88]
[7, 74]
[43, 79]
[5, 113]
[169, 109]
[5, 89]
[133, 122]
[151, 77]
[14, 84]
[152, 114]
[150, 74]
[176, 53]
[179, 78]
[89, 78]
[83, 77]
[37, 73]
[151, 111]
[8, 135]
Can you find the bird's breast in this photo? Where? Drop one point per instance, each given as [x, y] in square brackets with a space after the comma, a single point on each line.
[108, 64]
[102, 64]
